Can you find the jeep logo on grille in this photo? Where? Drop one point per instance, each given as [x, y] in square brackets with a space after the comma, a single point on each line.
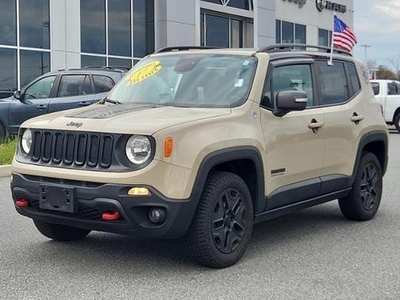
[74, 124]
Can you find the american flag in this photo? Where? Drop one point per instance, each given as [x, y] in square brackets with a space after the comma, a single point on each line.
[343, 36]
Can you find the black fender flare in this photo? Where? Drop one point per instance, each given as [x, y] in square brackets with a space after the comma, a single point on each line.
[373, 136]
[231, 154]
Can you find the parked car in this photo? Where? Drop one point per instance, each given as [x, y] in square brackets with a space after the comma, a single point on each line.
[55, 91]
[388, 94]
[6, 94]
[205, 143]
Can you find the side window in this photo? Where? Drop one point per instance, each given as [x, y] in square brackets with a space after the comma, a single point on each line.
[355, 83]
[392, 88]
[290, 77]
[332, 82]
[74, 85]
[375, 88]
[397, 89]
[40, 89]
[102, 83]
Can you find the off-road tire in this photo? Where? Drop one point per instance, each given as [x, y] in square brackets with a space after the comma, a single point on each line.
[363, 201]
[60, 233]
[396, 121]
[221, 228]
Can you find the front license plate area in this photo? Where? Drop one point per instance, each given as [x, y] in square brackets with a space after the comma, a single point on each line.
[57, 198]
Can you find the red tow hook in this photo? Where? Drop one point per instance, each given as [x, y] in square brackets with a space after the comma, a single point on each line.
[110, 216]
[22, 203]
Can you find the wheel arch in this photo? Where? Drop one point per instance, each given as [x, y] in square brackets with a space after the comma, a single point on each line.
[246, 162]
[375, 142]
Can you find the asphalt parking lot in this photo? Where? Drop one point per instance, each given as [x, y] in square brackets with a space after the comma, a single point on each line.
[312, 254]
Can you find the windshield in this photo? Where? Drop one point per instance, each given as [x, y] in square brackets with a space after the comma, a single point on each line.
[187, 80]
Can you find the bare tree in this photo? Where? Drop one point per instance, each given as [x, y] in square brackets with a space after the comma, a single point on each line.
[395, 63]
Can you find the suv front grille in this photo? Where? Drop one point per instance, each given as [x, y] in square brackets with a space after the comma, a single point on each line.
[77, 149]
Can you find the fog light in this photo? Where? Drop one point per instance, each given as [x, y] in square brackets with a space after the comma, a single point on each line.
[157, 215]
[139, 191]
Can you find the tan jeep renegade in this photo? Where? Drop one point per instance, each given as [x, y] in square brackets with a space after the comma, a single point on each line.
[202, 144]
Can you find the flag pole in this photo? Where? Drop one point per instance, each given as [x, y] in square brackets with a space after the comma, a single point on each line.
[330, 62]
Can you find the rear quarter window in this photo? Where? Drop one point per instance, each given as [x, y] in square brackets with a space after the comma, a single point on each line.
[375, 88]
[103, 83]
[354, 80]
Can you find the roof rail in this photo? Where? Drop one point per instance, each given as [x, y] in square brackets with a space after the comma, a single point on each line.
[288, 47]
[182, 48]
[113, 68]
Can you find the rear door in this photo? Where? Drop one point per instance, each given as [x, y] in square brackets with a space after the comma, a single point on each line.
[35, 102]
[74, 90]
[340, 96]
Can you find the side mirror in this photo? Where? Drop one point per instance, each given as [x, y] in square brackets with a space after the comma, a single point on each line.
[287, 101]
[18, 95]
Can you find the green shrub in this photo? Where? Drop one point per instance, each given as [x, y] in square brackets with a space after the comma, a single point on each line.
[7, 149]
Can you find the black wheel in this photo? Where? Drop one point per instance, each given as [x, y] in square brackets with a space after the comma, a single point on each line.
[60, 232]
[363, 201]
[221, 228]
[2, 132]
[396, 121]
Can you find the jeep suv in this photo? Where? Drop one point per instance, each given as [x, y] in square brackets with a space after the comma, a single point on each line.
[202, 144]
[55, 91]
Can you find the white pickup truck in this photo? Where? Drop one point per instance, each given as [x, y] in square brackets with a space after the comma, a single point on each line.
[388, 93]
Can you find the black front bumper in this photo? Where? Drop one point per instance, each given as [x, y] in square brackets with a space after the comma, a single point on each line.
[94, 199]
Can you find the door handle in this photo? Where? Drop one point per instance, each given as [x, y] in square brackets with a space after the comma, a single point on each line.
[84, 103]
[41, 107]
[357, 118]
[315, 125]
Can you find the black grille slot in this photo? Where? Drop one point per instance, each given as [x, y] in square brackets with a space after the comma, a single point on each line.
[69, 148]
[37, 140]
[47, 147]
[73, 149]
[80, 149]
[94, 150]
[105, 160]
[58, 147]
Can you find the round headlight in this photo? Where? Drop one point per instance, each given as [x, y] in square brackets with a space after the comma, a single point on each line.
[26, 141]
[138, 149]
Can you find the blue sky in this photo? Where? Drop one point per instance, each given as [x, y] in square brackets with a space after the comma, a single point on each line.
[377, 23]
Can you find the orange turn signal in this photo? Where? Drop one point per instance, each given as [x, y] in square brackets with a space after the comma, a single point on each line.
[168, 146]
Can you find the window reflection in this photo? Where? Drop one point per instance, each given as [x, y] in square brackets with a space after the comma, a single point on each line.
[34, 23]
[87, 61]
[93, 26]
[143, 27]
[33, 64]
[8, 70]
[217, 31]
[119, 33]
[8, 23]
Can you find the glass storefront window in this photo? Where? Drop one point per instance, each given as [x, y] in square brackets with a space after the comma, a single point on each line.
[34, 23]
[33, 64]
[242, 4]
[8, 70]
[87, 61]
[236, 34]
[119, 34]
[300, 34]
[324, 37]
[287, 32]
[93, 26]
[8, 23]
[217, 31]
[119, 62]
[278, 31]
[143, 27]
[249, 34]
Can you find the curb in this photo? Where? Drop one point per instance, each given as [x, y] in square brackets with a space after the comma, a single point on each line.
[5, 171]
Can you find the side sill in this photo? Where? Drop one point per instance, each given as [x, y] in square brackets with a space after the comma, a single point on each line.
[284, 210]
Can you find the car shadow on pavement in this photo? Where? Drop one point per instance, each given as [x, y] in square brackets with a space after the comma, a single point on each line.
[117, 252]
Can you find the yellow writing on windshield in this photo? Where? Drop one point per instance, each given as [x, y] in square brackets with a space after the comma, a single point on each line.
[143, 73]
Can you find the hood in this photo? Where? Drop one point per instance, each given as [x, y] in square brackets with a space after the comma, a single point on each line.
[128, 119]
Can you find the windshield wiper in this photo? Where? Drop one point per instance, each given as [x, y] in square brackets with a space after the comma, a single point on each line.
[110, 101]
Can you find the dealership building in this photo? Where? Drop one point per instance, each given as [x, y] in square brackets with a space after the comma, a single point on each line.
[37, 36]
